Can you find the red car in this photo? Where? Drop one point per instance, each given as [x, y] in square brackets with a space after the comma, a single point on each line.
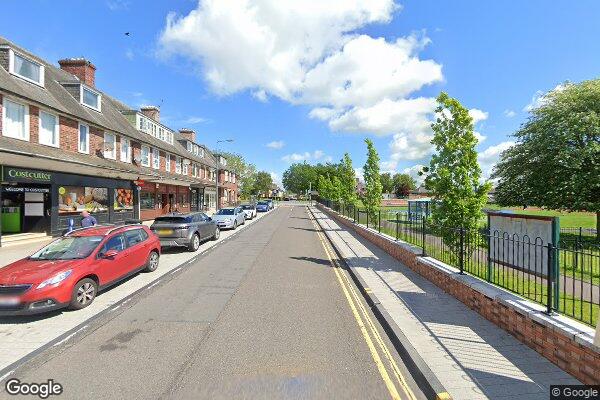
[71, 270]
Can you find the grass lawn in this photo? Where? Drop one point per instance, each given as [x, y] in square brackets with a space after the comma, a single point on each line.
[574, 219]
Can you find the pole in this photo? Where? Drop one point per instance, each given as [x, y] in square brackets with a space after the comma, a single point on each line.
[397, 224]
[549, 278]
[461, 257]
[217, 184]
[423, 235]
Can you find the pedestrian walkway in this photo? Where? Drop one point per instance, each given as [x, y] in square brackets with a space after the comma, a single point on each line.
[472, 358]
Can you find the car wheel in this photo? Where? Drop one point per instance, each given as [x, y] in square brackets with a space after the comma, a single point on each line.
[234, 225]
[244, 221]
[152, 263]
[84, 293]
[217, 234]
[194, 243]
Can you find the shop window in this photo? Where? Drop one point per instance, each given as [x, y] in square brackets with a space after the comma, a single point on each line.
[182, 199]
[123, 200]
[147, 201]
[75, 199]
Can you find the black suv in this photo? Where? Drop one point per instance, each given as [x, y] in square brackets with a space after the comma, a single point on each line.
[185, 230]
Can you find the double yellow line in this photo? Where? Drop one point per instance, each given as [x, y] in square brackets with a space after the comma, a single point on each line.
[367, 326]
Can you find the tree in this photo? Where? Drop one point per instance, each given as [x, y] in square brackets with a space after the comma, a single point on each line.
[372, 197]
[262, 183]
[347, 180]
[555, 162]
[336, 189]
[298, 177]
[245, 172]
[324, 187]
[403, 184]
[387, 184]
[454, 175]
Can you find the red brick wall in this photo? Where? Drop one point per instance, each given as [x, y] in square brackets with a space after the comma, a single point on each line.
[69, 134]
[34, 124]
[580, 361]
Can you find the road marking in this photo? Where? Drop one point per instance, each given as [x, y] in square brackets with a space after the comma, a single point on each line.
[353, 299]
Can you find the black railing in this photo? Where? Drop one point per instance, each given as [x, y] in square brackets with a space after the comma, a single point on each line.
[564, 278]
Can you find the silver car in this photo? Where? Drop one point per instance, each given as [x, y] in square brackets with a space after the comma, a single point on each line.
[229, 217]
[184, 230]
[250, 210]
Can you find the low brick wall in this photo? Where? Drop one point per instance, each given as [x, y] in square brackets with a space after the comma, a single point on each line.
[582, 360]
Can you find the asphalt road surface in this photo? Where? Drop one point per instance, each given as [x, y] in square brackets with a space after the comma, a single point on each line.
[266, 315]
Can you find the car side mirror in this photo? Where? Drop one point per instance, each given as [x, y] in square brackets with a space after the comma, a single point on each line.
[110, 254]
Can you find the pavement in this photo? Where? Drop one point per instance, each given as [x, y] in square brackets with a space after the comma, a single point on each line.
[266, 314]
[471, 357]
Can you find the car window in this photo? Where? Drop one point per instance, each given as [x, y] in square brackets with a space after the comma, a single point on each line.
[134, 237]
[204, 217]
[114, 243]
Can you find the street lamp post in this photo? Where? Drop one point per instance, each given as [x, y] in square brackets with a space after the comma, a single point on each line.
[217, 177]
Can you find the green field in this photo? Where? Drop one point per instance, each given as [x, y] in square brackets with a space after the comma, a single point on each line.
[567, 219]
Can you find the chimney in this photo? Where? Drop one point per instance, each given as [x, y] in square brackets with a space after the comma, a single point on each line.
[152, 112]
[81, 68]
[188, 134]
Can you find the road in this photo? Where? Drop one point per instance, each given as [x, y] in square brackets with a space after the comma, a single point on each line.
[266, 315]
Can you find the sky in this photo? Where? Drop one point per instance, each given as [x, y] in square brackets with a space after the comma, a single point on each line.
[292, 80]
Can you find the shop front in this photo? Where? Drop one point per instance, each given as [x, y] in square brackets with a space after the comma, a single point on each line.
[157, 199]
[197, 198]
[49, 201]
[210, 199]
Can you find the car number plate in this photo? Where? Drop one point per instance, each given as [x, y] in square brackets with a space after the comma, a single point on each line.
[165, 231]
[9, 300]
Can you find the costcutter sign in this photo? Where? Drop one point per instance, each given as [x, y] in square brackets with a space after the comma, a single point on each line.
[11, 174]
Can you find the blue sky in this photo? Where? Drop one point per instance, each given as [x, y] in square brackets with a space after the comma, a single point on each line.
[321, 79]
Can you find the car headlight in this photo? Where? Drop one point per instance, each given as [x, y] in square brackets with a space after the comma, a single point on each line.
[55, 279]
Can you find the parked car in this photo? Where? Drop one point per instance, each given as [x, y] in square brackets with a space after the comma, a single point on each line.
[230, 217]
[249, 210]
[185, 230]
[262, 206]
[71, 270]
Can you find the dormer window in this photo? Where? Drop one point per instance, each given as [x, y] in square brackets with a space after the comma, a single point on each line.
[90, 98]
[25, 68]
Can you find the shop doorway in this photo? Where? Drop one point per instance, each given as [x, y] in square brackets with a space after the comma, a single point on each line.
[26, 209]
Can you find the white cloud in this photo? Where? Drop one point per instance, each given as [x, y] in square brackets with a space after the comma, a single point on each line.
[309, 53]
[275, 178]
[115, 5]
[192, 120]
[490, 156]
[276, 144]
[539, 98]
[478, 115]
[414, 173]
[317, 155]
[509, 113]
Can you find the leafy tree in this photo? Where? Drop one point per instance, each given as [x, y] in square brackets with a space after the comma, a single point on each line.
[454, 175]
[403, 184]
[336, 189]
[347, 180]
[245, 172]
[555, 162]
[324, 187]
[387, 184]
[373, 189]
[262, 183]
[297, 178]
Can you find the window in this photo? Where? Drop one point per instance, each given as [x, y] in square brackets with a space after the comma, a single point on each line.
[90, 98]
[182, 199]
[194, 170]
[155, 158]
[75, 199]
[201, 152]
[168, 162]
[84, 139]
[15, 121]
[123, 200]
[161, 133]
[24, 68]
[48, 129]
[110, 146]
[178, 165]
[145, 156]
[189, 146]
[114, 243]
[135, 236]
[125, 149]
[186, 163]
[146, 201]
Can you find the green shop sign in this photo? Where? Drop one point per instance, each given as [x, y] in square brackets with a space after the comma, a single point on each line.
[10, 174]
